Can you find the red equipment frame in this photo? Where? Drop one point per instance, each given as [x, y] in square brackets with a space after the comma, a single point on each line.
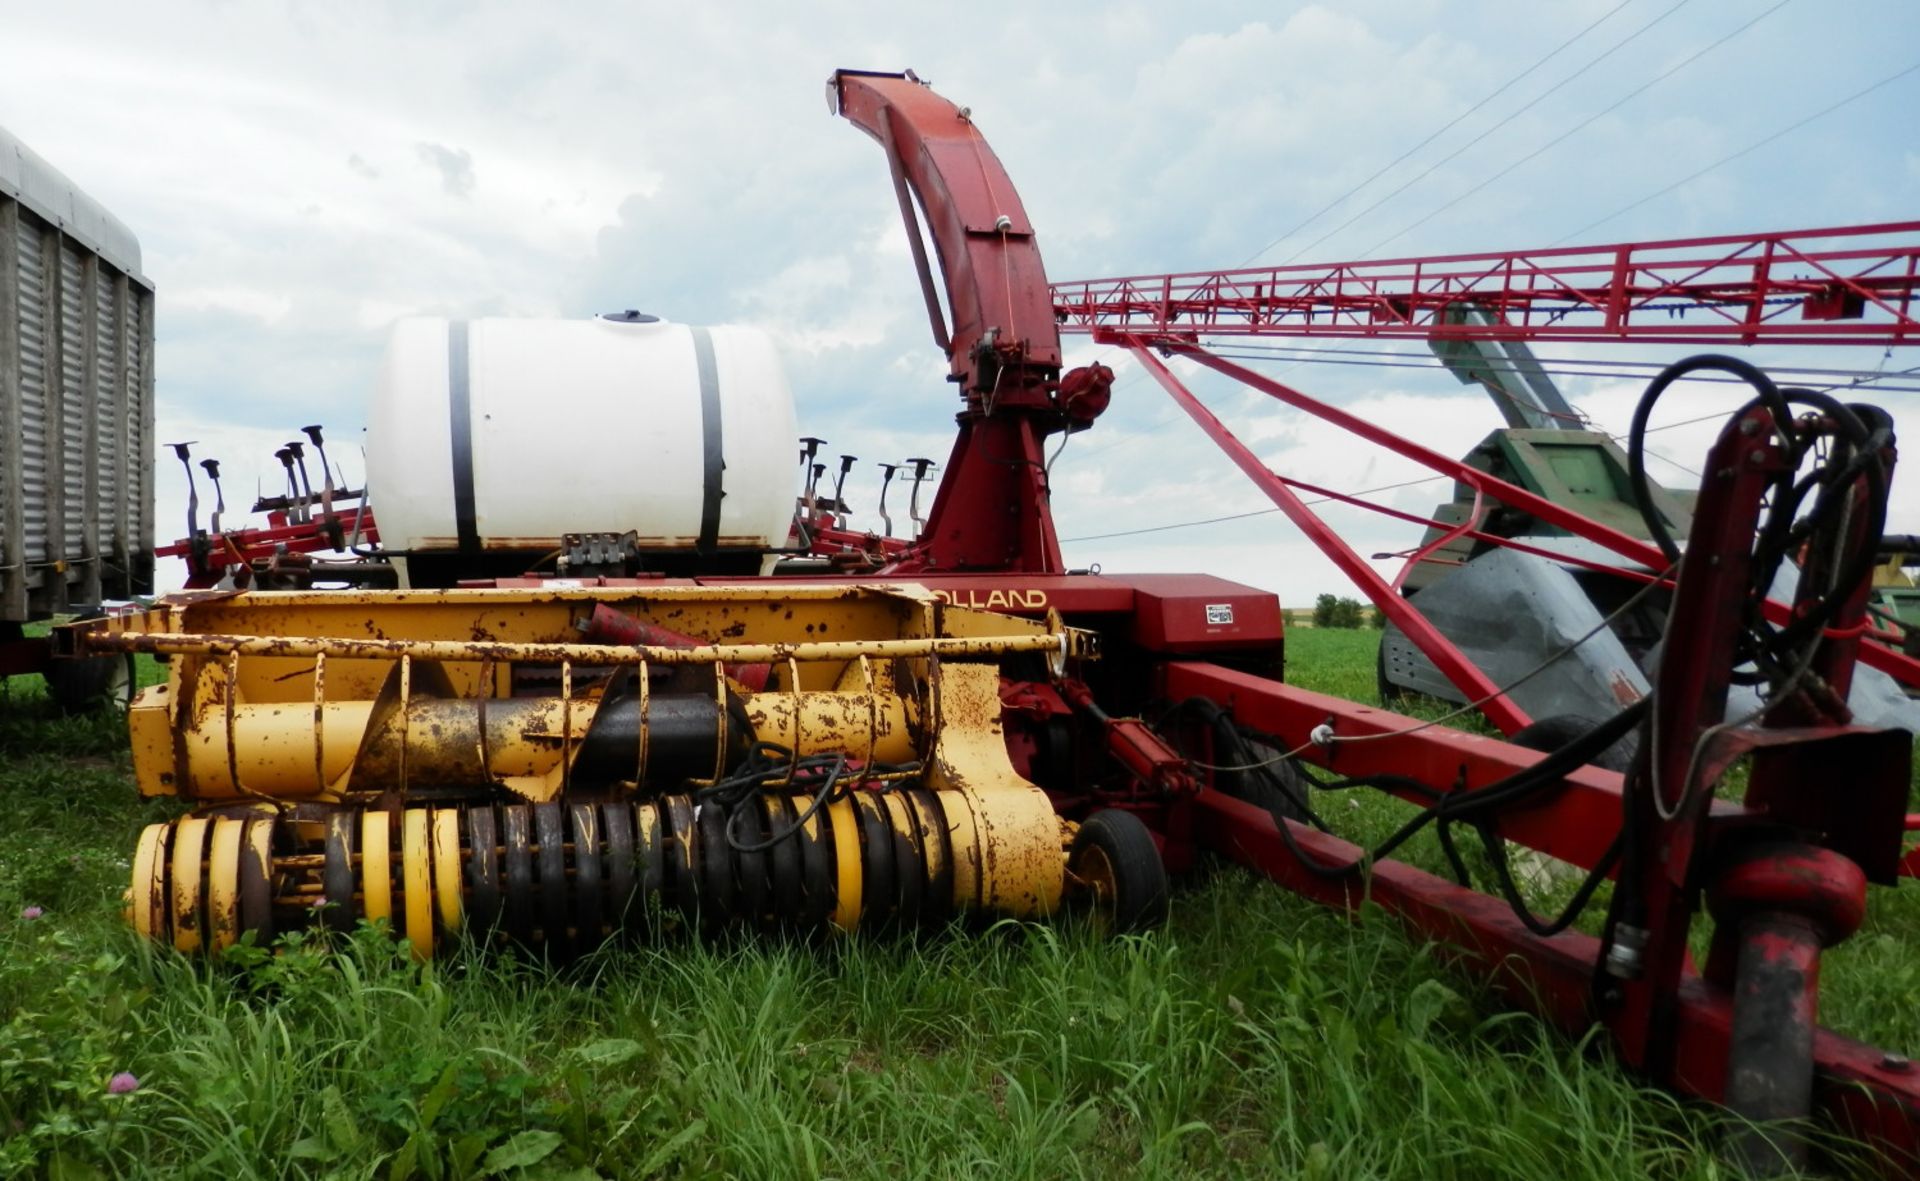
[1003, 344]
[210, 555]
[1779, 901]
[1850, 285]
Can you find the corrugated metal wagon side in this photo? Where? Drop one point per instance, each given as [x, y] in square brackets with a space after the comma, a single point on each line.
[76, 405]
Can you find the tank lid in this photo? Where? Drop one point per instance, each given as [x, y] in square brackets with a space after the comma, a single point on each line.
[630, 316]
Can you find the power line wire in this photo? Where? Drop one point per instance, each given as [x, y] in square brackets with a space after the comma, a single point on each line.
[1523, 109]
[1262, 512]
[1580, 126]
[1259, 512]
[1497, 367]
[1450, 125]
[1810, 371]
[1752, 147]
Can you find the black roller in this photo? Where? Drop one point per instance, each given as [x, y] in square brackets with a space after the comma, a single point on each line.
[909, 863]
[819, 878]
[684, 731]
[550, 830]
[937, 849]
[786, 892]
[483, 873]
[681, 855]
[256, 896]
[715, 859]
[877, 886]
[650, 852]
[586, 875]
[748, 826]
[517, 840]
[343, 830]
[616, 821]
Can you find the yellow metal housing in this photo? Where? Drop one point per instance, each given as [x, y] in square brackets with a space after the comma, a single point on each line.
[441, 760]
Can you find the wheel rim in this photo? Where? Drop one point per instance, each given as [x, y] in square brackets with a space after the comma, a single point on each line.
[1099, 883]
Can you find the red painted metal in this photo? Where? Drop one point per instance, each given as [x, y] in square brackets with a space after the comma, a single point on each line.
[605, 625]
[1157, 768]
[30, 654]
[1576, 824]
[1690, 697]
[991, 511]
[1839, 285]
[1465, 529]
[1758, 1047]
[1859, 1089]
[1499, 709]
[829, 541]
[1897, 664]
[209, 556]
[1775, 908]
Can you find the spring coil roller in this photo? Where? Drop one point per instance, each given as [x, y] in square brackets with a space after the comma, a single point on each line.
[559, 877]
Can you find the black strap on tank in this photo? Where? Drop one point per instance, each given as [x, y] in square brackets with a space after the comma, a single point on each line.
[715, 461]
[460, 416]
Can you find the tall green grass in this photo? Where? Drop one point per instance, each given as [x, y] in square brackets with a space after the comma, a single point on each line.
[1257, 1035]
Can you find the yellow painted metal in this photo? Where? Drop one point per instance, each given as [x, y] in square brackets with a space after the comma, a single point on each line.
[963, 838]
[280, 694]
[846, 857]
[357, 697]
[150, 729]
[223, 882]
[873, 726]
[1020, 863]
[900, 819]
[440, 741]
[146, 899]
[189, 845]
[447, 866]
[933, 854]
[592, 655]
[376, 870]
[416, 868]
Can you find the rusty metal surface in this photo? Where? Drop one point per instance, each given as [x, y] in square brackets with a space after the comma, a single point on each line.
[589, 655]
[457, 754]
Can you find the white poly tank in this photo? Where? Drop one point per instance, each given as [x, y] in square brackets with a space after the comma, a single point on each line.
[503, 434]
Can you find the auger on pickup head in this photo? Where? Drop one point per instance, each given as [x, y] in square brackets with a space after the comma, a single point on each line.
[525, 782]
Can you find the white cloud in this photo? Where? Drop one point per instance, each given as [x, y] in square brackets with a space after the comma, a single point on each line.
[679, 160]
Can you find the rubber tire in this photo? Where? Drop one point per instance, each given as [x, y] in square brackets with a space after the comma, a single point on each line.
[1551, 733]
[1140, 898]
[97, 683]
[1255, 789]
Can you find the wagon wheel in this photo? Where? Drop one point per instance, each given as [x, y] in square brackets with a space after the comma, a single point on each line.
[1114, 869]
[80, 686]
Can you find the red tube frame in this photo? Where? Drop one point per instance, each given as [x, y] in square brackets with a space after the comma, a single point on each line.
[1901, 667]
[1851, 284]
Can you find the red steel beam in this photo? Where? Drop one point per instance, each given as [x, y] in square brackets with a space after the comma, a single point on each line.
[1900, 666]
[1452, 663]
[1854, 285]
[1862, 1091]
[1576, 824]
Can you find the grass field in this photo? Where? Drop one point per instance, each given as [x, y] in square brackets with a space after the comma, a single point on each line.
[1256, 1035]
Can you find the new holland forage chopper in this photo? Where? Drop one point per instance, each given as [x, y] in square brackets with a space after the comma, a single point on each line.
[710, 723]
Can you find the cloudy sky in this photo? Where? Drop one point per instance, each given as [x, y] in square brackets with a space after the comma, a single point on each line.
[300, 175]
